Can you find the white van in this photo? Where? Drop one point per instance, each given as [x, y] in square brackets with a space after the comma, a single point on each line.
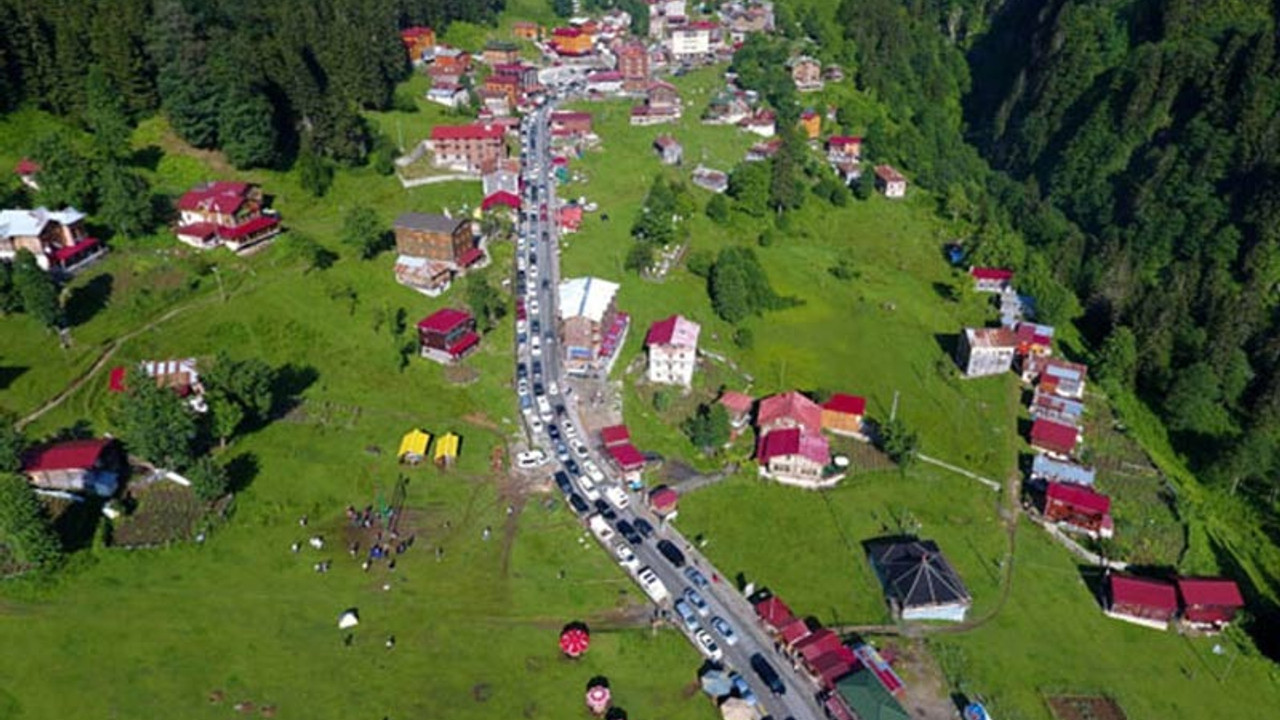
[588, 488]
[544, 408]
[651, 585]
[600, 528]
[617, 496]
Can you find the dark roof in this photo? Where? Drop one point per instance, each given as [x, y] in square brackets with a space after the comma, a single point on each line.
[868, 699]
[429, 222]
[917, 574]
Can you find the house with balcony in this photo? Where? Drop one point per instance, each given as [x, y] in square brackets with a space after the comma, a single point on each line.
[447, 336]
[56, 238]
[222, 213]
[90, 467]
[432, 250]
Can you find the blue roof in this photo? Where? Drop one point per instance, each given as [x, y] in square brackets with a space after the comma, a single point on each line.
[1047, 468]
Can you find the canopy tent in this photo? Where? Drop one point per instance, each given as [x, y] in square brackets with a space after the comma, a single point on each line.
[715, 682]
[413, 446]
[598, 699]
[348, 619]
[737, 709]
[447, 448]
[574, 640]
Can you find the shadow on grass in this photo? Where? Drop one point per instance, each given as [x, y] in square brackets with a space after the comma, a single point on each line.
[11, 373]
[1263, 614]
[947, 342]
[946, 292]
[89, 299]
[148, 157]
[288, 385]
[76, 524]
[241, 471]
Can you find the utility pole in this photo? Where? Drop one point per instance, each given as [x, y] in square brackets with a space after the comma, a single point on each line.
[893, 413]
[221, 291]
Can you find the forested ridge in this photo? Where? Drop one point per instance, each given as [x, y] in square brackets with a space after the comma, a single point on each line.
[261, 80]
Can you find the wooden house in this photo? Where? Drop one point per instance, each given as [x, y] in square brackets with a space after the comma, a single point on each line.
[1142, 601]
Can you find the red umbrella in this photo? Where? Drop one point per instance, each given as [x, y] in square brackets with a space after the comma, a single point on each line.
[574, 641]
[598, 698]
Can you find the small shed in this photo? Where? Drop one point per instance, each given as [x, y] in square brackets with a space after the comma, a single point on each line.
[669, 150]
[842, 414]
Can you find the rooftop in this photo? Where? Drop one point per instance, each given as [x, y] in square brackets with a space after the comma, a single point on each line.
[847, 404]
[790, 405]
[69, 455]
[888, 173]
[676, 330]
[794, 441]
[1209, 591]
[444, 320]
[917, 574]
[429, 222]
[1080, 497]
[474, 131]
[587, 297]
[1130, 590]
[1000, 337]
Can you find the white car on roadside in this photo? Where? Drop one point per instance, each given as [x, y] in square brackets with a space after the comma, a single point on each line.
[553, 388]
[592, 470]
[530, 459]
[617, 496]
[708, 645]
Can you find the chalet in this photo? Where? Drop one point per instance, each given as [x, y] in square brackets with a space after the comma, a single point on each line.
[604, 82]
[419, 42]
[225, 213]
[633, 63]
[662, 95]
[447, 336]
[842, 414]
[1142, 601]
[451, 61]
[844, 148]
[988, 279]
[1060, 377]
[670, 151]
[1054, 438]
[525, 30]
[1045, 469]
[1080, 508]
[793, 455]
[762, 122]
[763, 151]
[1057, 408]
[180, 376]
[693, 41]
[26, 170]
[789, 410]
[467, 147]
[645, 115]
[589, 325]
[726, 108]
[507, 85]
[918, 580]
[672, 347]
[714, 180]
[806, 73]
[985, 351]
[497, 52]
[76, 466]
[432, 250]
[1033, 340]
[811, 124]
[568, 123]
[890, 182]
[571, 42]
[739, 407]
[627, 460]
[526, 75]
[448, 94]
[57, 238]
[1208, 603]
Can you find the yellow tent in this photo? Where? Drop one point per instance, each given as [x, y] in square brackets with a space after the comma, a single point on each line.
[413, 446]
[447, 448]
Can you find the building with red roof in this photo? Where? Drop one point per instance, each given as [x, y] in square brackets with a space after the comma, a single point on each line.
[794, 456]
[633, 63]
[469, 148]
[1208, 603]
[664, 501]
[842, 414]
[789, 409]
[1143, 601]
[844, 148]
[75, 466]
[774, 613]
[57, 238]
[739, 407]
[794, 631]
[989, 279]
[1079, 507]
[418, 42]
[627, 459]
[1054, 438]
[569, 217]
[615, 435]
[571, 42]
[227, 213]
[891, 182]
[447, 335]
[501, 199]
[26, 170]
[671, 346]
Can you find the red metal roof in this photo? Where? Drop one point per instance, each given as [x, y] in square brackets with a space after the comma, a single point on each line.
[1080, 497]
[501, 197]
[736, 402]
[820, 643]
[1156, 594]
[69, 455]
[1210, 591]
[794, 631]
[415, 31]
[470, 257]
[888, 173]
[115, 380]
[1054, 436]
[847, 404]
[566, 32]
[444, 321]
[793, 441]
[464, 343]
[626, 456]
[474, 131]
[26, 166]
[986, 273]
[221, 196]
[70, 251]
[262, 222]
[792, 405]
[664, 499]
[773, 611]
[615, 434]
[842, 140]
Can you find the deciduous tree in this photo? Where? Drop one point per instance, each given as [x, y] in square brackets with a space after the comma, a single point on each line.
[24, 529]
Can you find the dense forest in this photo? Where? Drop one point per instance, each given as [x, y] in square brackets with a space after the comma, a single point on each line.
[263, 80]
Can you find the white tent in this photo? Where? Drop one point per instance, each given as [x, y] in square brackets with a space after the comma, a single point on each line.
[348, 619]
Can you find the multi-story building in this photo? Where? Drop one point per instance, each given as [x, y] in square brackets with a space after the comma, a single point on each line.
[468, 147]
[434, 237]
[447, 335]
[498, 52]
[590, 327]
[419, 42]
[57, 239]
[672, 345]
[986, 351]
[692, 41]
[633, 63]
[225, 213]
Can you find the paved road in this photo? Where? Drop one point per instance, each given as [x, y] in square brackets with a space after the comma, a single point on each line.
[537, 278]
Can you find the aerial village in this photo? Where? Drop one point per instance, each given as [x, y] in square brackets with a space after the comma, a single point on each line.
[792, 432]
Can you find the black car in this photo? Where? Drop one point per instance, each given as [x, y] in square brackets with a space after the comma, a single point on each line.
[627, 531]
[546, 284]
[572, 466]
[521, 288]
[521, 277]
[536, 326]
[562, 482]
[768, 674]
[644, 527]
[560, 410]
[606, 511]
[552, 430]
[578, 504]
[522, 371]
[670, 552]
[539, 389]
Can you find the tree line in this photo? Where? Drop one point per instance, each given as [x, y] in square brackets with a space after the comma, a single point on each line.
[265, 82]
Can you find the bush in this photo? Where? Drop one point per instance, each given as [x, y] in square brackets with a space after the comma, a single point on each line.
[700, 263]
[718, 209]
[209, 480]
[24, 529]
[661, 400]
[766, 238]
[744, 338]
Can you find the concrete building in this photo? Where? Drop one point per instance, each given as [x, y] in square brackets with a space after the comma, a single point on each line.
[672, 345]
[986, 351]
[590, 327]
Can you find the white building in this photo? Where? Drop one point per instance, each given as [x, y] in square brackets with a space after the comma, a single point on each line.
[590, 327]
[986, 351]
[691, 41]
[673, 350]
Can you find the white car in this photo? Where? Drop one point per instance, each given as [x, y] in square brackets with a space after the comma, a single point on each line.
[553, 388]
[588, 488]
[537, 349]
[579, 449]
[530, 459]
[708, 646]
[522, 386]
[569, 430]
[618, 497]
[522, 325]
[533, 304]
[535, 423]
[592, 470]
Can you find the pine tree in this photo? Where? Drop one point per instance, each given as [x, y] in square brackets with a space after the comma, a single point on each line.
[37, 290]
[246, 129]
[125, 201]
[24, 529]
[66, 174]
